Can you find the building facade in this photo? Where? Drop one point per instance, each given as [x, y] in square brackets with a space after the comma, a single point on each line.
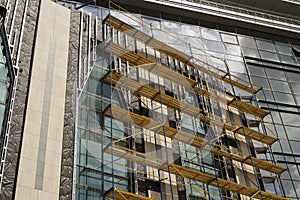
[150, 100]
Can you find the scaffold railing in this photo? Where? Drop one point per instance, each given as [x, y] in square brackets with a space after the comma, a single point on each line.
[162, 129]
[146, 160]
[146, 91]
[181, 56]
[184, 81]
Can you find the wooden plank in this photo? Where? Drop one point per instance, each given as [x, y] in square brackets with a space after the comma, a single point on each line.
[124, 195]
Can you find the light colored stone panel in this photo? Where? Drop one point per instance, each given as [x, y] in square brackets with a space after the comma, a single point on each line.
[28, 166]
[54, 145]
[53, 159]
[51, 171]
[26, 179]
[32, 128]
[51, 185]
[26, 193]
[34, 116]
[47, 195]
[30, 151]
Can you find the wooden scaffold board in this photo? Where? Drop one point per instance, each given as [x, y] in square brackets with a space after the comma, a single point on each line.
[124, 195]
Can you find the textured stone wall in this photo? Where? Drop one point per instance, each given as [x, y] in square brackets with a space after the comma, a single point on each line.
[67, 163]
[17, 124]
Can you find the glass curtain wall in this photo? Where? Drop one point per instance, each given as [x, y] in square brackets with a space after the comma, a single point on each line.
[270, 64]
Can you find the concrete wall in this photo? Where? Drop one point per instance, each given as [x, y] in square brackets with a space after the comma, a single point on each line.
[40, 159]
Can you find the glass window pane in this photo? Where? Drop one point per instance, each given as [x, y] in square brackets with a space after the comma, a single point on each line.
[229, 38]
[292, 76]
[284, 98]
[210, 34]
[236, 66]
[269, 56]
[213, 46]
[232, 49]
[196, 43]
[283, 48]
[295, 87]
[191, 30]
[3, 72]
[280, 86]
[287, 59]
[263, 82]
[3, 91]
[276, 74]
[297, 99]
[247, 42]
[254, 70]
[295, 147]
[250, 52]
[293, 132]
[290, 118]
[175, 27]
[265, 45]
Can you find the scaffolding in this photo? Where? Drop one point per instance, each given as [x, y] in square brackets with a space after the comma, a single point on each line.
[179, 55]
[147, 123]
[184, 81]
[134, 88]
[146, 91]
[188, 173]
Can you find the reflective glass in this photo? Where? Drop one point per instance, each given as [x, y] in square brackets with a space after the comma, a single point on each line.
[3, 91]
[267, 93]
[265, 45]
[255, 70]
[247, 42]
[250, 52]
[295, 77]
[155, 23]
[280, 86]
[173, 39]
[283, 48]
[295, 87]
[233, 49]
[213, 46]
[229, 38]
[3, 72]
[295, 147]
[284, 98]
[297, 97]
[173, 26]
[210, 34]
[191, 30]
[276, 74]
[2, 110]
[293, 133]
[288, 59]
[269, 56]
[236, 66]
[196, 43]
[263, 82]
[290, 119]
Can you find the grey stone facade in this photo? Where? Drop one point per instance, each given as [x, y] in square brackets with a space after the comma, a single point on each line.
[67, 162]
[25, 63]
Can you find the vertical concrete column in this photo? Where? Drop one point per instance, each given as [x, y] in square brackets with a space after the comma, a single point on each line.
[40, 161]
